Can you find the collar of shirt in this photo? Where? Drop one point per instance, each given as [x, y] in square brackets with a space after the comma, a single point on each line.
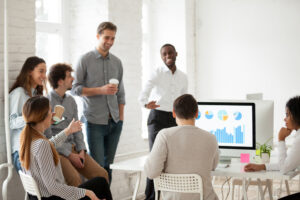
[167, 70]
[57, 96]
[98, 55]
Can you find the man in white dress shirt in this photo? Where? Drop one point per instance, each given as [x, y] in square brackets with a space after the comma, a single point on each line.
[165, 85]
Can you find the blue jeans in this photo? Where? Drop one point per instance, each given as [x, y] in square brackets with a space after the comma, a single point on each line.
[16, 161]
[103, 141]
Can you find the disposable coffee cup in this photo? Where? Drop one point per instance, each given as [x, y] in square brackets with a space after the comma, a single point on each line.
[114, 81]
[58, 110]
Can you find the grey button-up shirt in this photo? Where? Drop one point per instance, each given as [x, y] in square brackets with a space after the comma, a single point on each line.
[94, 70]
[70, 112]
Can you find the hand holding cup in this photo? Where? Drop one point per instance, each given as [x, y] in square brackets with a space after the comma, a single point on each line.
[58, 113]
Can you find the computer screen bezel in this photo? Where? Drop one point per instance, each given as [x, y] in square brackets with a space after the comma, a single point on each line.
[253, 121]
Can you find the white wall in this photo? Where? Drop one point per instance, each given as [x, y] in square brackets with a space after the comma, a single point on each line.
[21, 44]
[249, 46]
[164, 22]
[83, 19]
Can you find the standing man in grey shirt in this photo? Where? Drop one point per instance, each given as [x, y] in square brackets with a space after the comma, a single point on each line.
[103, 102]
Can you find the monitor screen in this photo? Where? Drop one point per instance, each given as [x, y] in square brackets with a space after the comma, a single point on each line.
[233, 124]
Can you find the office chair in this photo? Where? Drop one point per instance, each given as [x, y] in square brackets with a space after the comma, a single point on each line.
[182, 183]
[29, 185]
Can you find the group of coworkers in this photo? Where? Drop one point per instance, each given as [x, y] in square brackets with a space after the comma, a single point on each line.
[55, 154]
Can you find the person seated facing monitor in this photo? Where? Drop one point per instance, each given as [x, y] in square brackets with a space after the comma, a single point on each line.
[184, 149]
[286, 162]
[74, 160]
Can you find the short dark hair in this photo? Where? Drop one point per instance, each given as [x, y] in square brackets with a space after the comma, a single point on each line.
[185, 107]
[58, 72]
[106, 25]
[167, 45]
[293, 105]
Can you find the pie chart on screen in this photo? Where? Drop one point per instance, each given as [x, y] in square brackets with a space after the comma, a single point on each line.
[199, 115]
[209, 114]
[237, 115]
[222, 115]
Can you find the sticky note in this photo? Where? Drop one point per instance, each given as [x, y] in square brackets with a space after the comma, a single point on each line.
[245, 157]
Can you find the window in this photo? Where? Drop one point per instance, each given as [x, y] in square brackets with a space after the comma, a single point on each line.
[51, 31]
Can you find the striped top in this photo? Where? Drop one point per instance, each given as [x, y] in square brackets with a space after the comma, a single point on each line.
[49, 177]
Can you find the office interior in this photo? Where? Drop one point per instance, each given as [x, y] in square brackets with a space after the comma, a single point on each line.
[228, 48]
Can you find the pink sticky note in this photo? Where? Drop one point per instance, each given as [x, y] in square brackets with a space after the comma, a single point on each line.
[245, 157]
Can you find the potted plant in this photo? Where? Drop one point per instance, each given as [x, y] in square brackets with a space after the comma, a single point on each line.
[264, 150]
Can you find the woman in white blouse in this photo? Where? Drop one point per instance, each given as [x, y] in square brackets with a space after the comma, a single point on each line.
[40, 159]
[286, 162]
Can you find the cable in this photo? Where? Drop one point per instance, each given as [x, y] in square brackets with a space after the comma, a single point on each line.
[226, 181]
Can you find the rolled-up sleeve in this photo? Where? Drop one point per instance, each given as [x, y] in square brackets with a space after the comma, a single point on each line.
[58, 139]
[80, 73]
[16, 101]
[78, 136]
[121, 90]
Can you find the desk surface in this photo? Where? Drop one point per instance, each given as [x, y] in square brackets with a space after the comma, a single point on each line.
[234, 170]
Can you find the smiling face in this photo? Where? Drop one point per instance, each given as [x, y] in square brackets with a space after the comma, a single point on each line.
[168, 55]
[38, 75]
[106, 40]
[67, 83]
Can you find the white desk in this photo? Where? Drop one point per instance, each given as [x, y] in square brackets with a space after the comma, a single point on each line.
[234, 170]
[134, 164]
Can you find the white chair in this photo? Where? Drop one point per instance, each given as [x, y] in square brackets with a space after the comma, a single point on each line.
[29, 185]
[182, 183]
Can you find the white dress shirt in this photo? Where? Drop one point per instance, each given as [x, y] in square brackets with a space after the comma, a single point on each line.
[287, 162]
[164, 88]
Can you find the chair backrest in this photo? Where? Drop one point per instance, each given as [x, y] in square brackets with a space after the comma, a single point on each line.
[30, 185]
[182, 183]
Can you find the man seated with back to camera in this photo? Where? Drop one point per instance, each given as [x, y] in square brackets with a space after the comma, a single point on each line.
[185, 149]
[72, 153]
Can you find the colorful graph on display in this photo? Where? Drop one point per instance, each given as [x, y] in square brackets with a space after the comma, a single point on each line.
[225, 137]
[232, 125]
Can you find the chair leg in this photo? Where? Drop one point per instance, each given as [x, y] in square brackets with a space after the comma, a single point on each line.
[232, 192]
[26, 196]
[156, 195]
[287, 187]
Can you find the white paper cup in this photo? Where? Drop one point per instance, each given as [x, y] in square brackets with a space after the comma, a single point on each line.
[114, 81]
[58, 110]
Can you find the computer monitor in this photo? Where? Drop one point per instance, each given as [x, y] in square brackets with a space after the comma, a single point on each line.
[237, 124]
[233, 123]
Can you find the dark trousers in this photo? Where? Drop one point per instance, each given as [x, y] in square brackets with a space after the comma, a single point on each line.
[157, 120]
[292, 197]
[103, 141]
[98, 185]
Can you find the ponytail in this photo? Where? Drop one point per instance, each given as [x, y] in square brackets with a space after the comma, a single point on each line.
[28, 135]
